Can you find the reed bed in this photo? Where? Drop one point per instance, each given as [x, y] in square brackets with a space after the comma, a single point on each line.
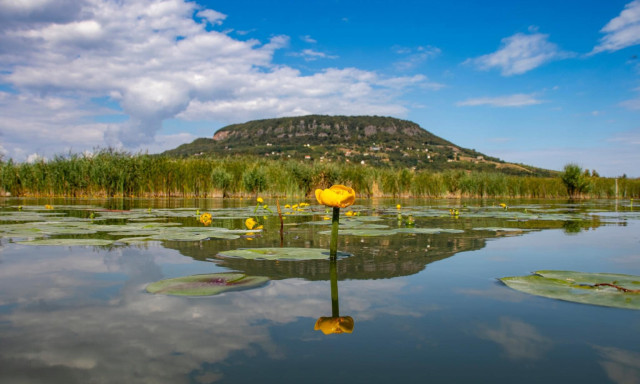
[118, 174]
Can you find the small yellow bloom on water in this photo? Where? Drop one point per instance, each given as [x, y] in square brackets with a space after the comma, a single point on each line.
[259, 200]
[205, 218]
[503, 205]
[338, 196]
[48, 206]
[287, 206]
[250, 223]
[350, 213]
[398, 206]
[326, 218]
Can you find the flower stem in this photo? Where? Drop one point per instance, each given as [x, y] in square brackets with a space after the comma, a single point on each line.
[333, 249]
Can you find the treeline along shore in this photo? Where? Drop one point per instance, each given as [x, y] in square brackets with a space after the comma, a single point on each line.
[111, 173]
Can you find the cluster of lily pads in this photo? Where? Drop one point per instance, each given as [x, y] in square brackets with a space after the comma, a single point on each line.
[92, 225]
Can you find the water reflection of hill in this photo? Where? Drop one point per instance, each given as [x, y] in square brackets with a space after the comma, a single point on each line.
[373, 257]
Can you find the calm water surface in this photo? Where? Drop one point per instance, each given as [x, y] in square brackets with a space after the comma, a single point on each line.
[426, 307]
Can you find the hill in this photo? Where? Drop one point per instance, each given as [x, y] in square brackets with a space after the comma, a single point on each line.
[370, 140]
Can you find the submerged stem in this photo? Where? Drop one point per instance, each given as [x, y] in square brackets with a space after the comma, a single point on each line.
[335, 306]
[333, 249]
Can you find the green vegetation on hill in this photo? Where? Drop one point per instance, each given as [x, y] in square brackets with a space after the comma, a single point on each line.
[377, 141]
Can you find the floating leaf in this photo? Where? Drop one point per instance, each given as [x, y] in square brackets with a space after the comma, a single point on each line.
[280, 253]
[428, 230]
[497, 229]
[206, 285]
[389, 232]
[68, 242]
[605, 289]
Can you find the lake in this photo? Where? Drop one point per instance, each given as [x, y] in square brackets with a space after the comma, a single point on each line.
[419, 283]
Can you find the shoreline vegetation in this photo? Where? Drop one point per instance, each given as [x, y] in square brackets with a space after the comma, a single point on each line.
[118, 174]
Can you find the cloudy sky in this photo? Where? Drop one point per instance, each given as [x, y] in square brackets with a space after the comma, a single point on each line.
[538, 82]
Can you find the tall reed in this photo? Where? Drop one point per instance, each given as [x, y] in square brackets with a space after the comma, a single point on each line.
[114, 173]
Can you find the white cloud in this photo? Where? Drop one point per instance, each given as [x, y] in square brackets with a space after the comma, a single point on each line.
[308, 39]
[414, 57]
[158, 62]
[517, 100]
[633, 104]
[311, 55]
[621, 31]
[520, 53]
[213, 17]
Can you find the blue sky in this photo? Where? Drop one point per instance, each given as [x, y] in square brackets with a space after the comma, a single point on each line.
[543, 83]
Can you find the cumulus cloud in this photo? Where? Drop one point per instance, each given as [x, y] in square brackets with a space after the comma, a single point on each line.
[621, 31]
[520, 53]
[153, 60]
[516, 100]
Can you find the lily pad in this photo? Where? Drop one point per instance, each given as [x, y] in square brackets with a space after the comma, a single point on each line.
[605, 289]
[68, 242]
[389, 232]
[280, 253]
[206, 285]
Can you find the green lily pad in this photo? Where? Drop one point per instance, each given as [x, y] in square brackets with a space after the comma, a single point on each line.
[280, 253]
[389, 232]
[206, 285]
[497, 229]
[428, 231]
[68, 242]
[605, 289]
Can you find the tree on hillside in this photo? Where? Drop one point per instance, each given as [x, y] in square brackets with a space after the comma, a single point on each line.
[575, 180]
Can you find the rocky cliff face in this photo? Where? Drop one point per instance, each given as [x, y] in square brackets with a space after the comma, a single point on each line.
[347, 129]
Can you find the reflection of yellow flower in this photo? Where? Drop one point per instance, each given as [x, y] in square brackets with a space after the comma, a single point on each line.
[338, 196]
[259, 200]
[329, 325]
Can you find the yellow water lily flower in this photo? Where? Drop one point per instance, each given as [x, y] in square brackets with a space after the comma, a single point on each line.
[205, 218]
[250, 223]
[48, 206]
[287, 206]
[260, 200]
[329, 325]
[338, 196]
[350, 213]
[398, 206]
[503, 205]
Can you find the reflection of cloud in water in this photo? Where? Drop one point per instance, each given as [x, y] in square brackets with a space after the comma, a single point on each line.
[519, 340]
[622, 366]
[102, 326]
